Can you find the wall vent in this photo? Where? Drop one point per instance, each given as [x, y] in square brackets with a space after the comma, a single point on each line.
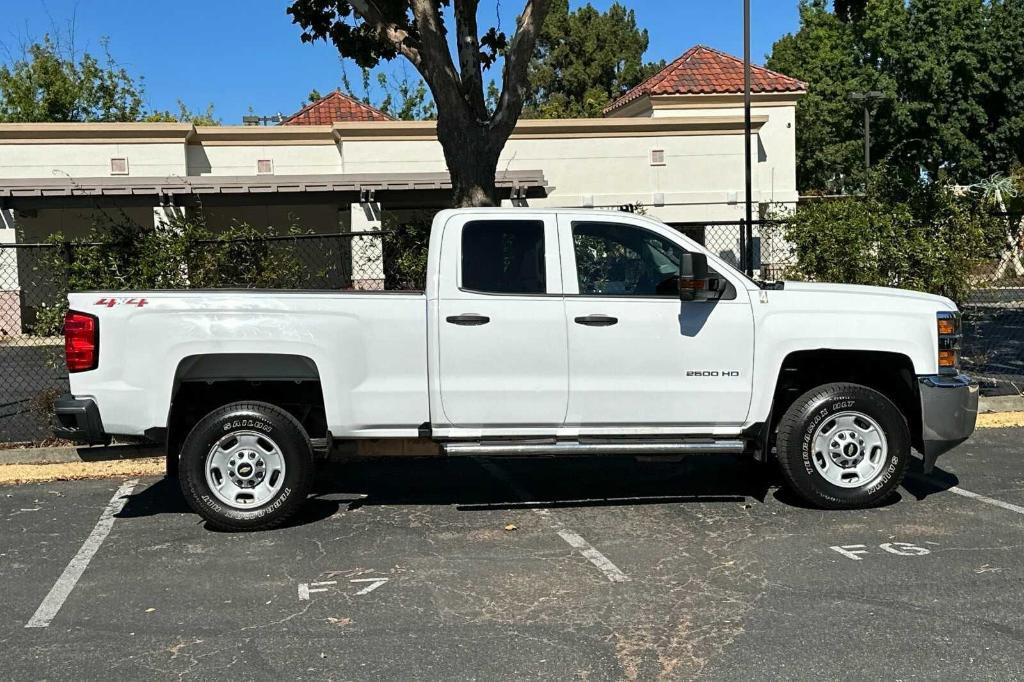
[265, 167]
[119, 166]
[657, 157]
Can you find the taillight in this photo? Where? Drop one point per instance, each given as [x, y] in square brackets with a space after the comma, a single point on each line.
[81, 341]
[949, 342]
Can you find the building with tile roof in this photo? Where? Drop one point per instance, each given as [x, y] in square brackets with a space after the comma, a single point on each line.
[703, 70]
[335, 108]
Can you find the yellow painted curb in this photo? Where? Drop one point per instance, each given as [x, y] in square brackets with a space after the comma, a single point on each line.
[1000, 420]
[29, 473]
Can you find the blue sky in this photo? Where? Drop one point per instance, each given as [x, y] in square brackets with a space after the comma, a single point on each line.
[241, 53]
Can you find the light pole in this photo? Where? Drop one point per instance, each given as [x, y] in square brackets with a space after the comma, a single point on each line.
[867, 98]
[747, 236]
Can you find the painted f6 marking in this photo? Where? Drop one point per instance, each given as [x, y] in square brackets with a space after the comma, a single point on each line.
[898, 548]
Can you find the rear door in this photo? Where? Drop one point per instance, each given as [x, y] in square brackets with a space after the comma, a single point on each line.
[502, 346]
[637, 354]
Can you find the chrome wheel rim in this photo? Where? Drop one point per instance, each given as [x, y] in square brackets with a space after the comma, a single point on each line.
[849, 450]
[245, 469]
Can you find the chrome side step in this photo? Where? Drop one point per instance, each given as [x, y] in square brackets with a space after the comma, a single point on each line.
[732, 446]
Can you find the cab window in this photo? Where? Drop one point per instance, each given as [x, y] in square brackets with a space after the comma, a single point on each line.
[504, 257]
[613, 259]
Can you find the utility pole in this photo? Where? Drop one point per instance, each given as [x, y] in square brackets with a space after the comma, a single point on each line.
[867, 98]
[747, 237]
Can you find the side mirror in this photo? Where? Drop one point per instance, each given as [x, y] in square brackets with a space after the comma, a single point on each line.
[693, 276]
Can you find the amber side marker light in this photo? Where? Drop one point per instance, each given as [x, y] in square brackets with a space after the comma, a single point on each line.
[948, 325]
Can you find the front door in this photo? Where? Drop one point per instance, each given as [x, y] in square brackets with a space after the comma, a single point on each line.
[637, 354]
[502, 348]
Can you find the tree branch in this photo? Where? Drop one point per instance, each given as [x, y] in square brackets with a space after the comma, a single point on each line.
[437, 66]
[517, 61]
[470, 70]
[387, 31]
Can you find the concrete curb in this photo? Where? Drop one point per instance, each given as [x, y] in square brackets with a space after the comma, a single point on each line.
[65, 455]
[1001, 403]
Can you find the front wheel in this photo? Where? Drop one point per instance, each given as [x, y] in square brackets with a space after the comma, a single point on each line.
[246, 466]
[843, 446]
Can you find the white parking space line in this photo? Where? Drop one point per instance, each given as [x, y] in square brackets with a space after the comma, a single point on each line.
[374, 584]
[575, 540]
[987, 500]
[69, 578]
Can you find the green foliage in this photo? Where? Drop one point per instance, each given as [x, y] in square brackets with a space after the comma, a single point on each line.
[118, 255]
[406, 101]
[360, 39]
[402, 99]
[920, 236]
[49, 83]
[405, 250]
[949, 70]
[584, 59]
[185, 115]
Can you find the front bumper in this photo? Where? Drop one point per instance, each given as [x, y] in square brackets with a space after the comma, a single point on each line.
[949, 411]
[78, 420]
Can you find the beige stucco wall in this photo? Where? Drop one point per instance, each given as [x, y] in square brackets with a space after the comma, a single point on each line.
[90, 160]
[586, 163]
[241, 159]
[774, 150]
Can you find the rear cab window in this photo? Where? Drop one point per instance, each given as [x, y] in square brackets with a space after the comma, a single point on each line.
[504, 257]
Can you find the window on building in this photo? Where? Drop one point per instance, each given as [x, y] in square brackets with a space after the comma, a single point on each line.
[504, 256]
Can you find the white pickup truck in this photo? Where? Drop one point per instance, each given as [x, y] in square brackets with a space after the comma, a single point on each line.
[541, 332]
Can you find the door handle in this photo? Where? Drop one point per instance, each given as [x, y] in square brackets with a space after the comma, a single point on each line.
[469, 320]
[597, 320]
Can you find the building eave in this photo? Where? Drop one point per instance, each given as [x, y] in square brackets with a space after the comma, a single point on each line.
[95, 133]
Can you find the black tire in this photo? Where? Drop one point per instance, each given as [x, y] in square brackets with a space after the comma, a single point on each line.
[795, 449]
[288, 437]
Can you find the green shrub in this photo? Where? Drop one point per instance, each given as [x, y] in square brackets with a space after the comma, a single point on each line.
[406, 241]
[918, 235]
[118, 255]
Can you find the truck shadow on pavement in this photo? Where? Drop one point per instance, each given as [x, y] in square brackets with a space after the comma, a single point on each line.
[472, 484]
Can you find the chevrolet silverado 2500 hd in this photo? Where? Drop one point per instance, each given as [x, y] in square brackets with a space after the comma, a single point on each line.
[541, 332]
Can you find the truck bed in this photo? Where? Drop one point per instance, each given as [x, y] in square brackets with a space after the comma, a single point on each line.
[369, 350]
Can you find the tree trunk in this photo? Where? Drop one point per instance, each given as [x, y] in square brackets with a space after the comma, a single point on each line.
[471, 151]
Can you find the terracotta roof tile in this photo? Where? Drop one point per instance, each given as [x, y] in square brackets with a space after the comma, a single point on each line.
[333, 108]
[704, 70]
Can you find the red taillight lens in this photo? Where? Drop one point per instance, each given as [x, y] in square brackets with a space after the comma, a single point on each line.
[81, 341]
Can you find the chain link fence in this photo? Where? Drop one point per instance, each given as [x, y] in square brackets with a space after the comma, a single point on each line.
[35, 280]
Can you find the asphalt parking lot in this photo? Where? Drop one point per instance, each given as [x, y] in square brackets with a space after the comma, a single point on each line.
[591, 569]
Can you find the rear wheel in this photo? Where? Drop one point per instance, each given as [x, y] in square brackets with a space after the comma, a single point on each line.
[246, 466]
[843, 446]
